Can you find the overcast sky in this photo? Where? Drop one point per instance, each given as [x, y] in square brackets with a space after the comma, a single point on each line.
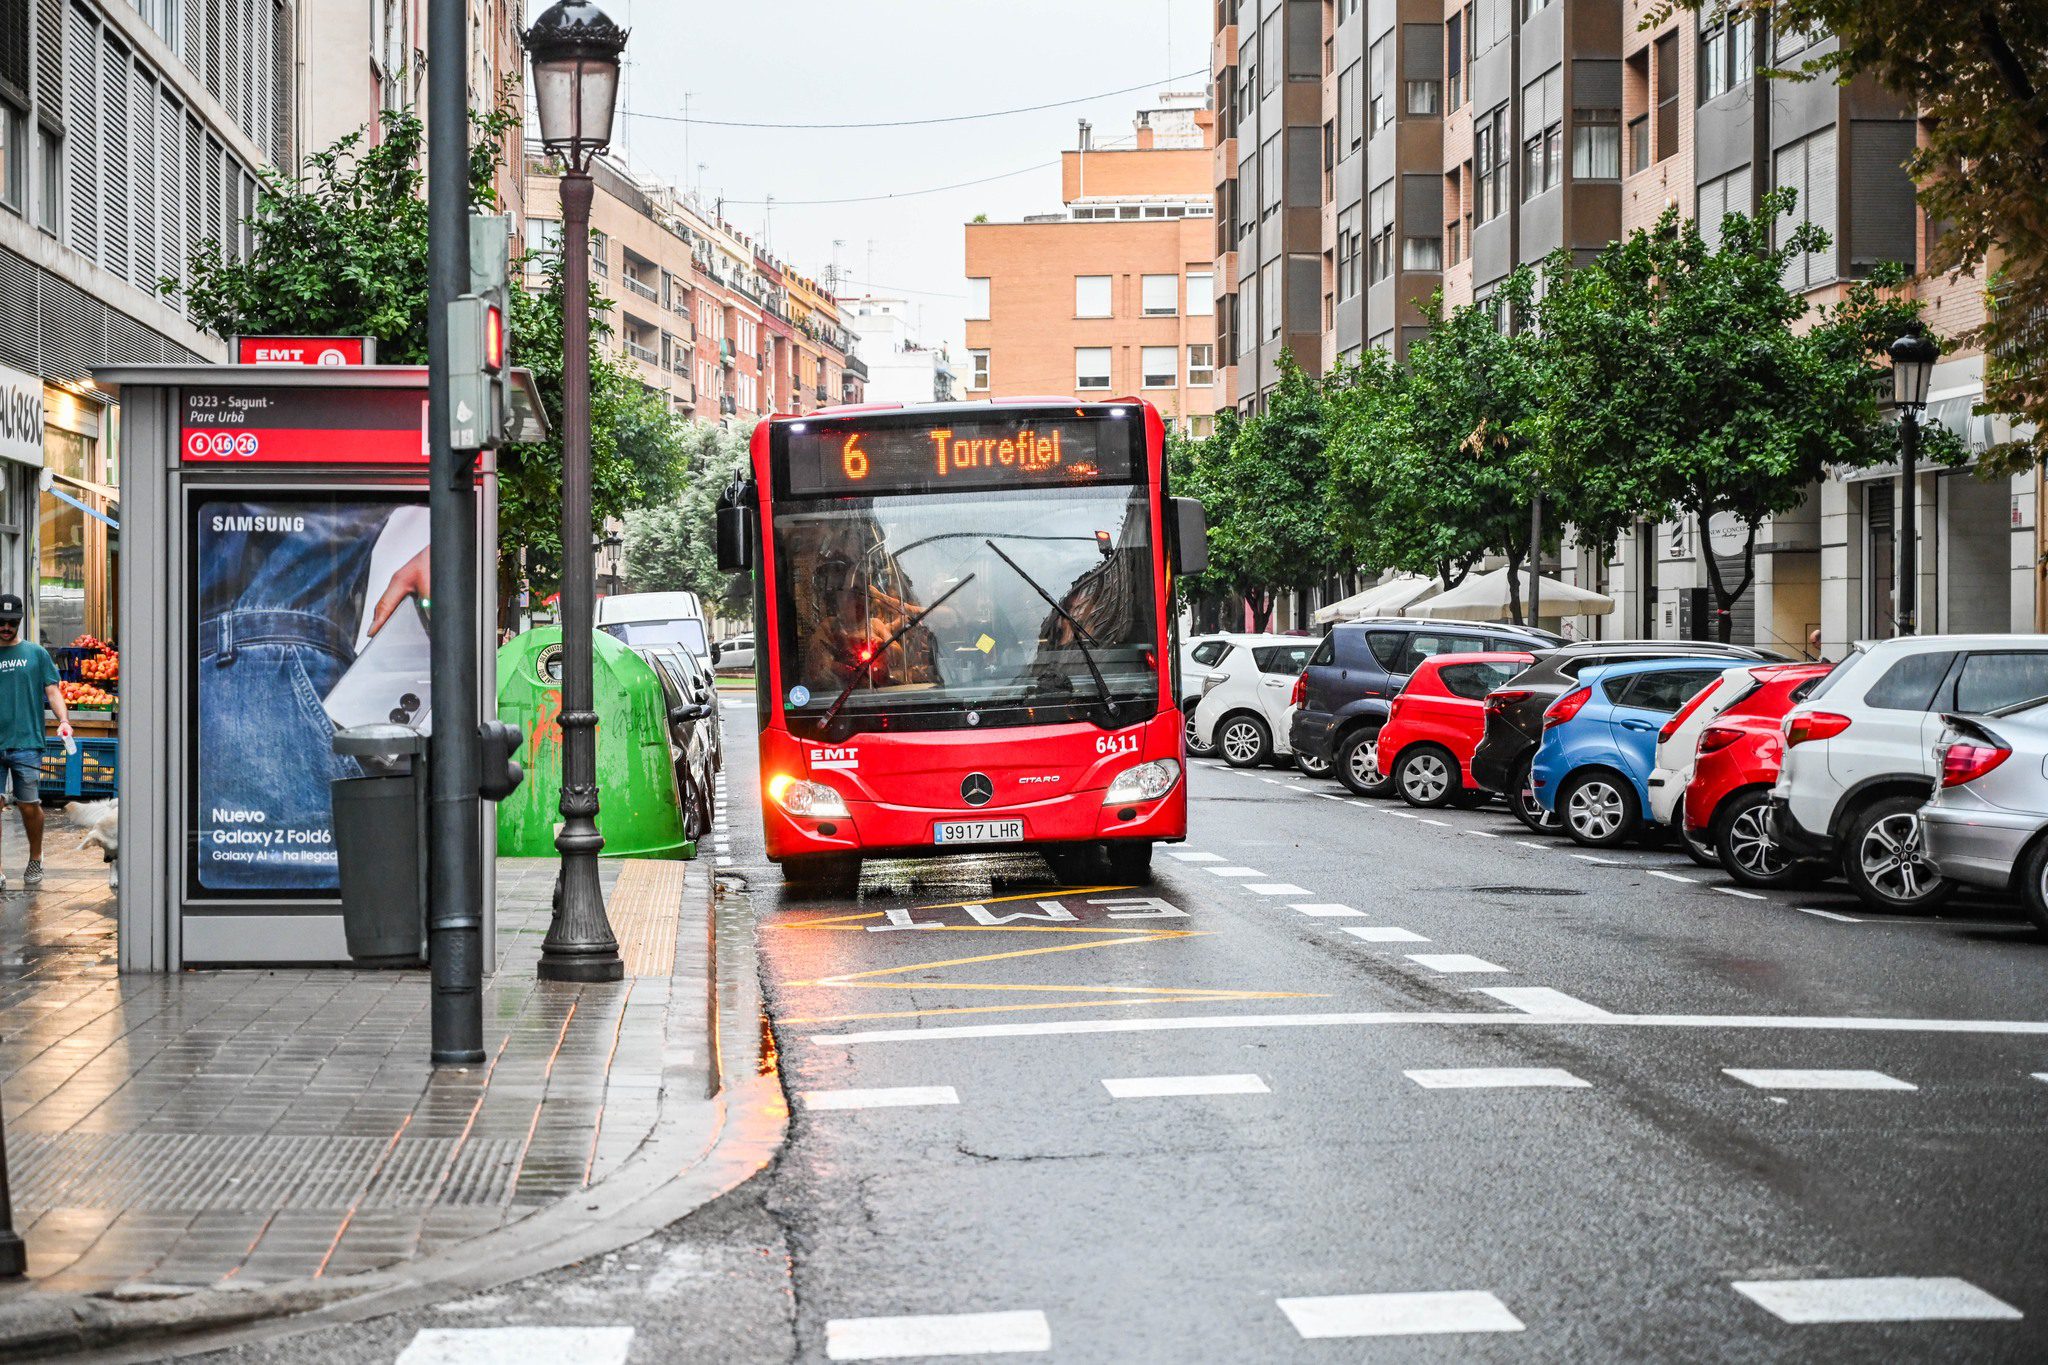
[823, 61]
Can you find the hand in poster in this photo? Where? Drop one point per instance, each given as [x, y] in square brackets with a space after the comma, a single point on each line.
[412, 579]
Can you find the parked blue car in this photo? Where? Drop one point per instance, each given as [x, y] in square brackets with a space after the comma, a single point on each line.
[1599, 745]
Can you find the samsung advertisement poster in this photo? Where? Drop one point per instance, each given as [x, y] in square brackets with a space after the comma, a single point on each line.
[311, 613]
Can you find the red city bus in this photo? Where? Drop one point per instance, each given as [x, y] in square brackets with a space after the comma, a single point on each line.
[966, 633]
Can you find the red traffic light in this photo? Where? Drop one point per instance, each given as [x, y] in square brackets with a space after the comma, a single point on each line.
[494, 338]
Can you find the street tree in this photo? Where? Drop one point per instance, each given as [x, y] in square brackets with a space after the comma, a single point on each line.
[671, 544]
[1435, 461]
[1680, 379]
[1269, 530]
[1978, 74]
[342, 250]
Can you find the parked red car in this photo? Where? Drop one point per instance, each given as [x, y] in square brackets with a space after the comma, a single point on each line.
[1436, 722]
[1727, 802]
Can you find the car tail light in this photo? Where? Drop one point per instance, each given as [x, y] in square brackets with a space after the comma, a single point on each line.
[1966, 761]
[1300, 692]
[1814, 725]
[1394, 708]
[1566, 706]
[1502, 698]
[1717, 737]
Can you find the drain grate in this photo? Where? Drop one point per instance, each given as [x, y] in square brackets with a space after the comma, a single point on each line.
[1525, 891]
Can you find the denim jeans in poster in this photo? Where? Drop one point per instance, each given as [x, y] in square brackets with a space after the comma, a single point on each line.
[281, 587]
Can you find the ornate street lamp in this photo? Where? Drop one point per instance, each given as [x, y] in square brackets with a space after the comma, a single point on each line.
[1913, 357]
[575, 51]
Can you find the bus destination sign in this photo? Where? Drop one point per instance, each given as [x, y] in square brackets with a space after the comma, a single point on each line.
[834, 458]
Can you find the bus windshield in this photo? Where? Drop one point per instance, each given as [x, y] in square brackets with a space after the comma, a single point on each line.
[1039, 579]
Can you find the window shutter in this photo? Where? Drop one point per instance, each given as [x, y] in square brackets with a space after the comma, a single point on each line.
[81, 116]
[115, 175]
[1596, 85]
[1789, 173]
[143, 187]
[170, 147]
[14, 45]
[1422, 205]
[1713, 202]
[1422, 52]
[49, 90]
[1822, 195]
[1881, 225]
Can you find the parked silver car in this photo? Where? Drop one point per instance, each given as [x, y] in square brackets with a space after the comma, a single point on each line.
[1984, 825]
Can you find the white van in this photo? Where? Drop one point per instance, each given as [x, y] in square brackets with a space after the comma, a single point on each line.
[656, 618]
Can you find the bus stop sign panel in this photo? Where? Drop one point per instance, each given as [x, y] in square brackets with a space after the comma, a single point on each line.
[255, 425]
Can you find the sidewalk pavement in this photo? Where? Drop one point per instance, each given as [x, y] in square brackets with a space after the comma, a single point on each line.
[180, 1145]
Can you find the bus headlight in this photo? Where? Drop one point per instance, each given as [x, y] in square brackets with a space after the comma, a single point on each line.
[1146, 782]
[808, 799]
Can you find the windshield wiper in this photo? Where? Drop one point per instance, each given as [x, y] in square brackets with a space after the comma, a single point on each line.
[825, 725]
[1081, 636]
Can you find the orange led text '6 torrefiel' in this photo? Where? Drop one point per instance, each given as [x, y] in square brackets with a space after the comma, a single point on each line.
[1027, 451]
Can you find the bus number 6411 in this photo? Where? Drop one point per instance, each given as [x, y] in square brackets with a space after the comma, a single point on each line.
[1116, 744]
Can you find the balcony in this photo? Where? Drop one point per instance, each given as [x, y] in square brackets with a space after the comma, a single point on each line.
[725, 352]
[642, 288]
[821, 393]
[645, 354]
[856, 367]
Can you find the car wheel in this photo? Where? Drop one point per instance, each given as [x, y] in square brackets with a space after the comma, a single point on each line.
[1243, 741]
[1358, 764]
[1427, 777]
[1522, 801]
[1885, 859]
[1598, 809]
[1311, 765]
[1750, 853]
[1130, 861]
[1699, 846]
[822, 874]
[2033, 884]
[1187, 729]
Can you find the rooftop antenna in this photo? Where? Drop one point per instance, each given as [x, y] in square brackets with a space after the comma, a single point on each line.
[686, 125]
[767, 223]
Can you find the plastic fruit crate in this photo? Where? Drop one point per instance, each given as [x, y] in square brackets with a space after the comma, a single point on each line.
[91, 773]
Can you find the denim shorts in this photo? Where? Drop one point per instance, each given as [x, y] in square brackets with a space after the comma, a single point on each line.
[26, 767]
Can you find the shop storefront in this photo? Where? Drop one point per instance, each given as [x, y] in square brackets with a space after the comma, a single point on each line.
[78, 537]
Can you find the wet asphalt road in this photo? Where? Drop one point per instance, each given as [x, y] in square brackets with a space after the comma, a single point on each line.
[1435, 1057]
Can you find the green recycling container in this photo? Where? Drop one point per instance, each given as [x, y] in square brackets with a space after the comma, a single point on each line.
[639, 813]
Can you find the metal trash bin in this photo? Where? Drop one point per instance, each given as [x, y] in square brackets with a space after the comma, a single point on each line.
[380, 842]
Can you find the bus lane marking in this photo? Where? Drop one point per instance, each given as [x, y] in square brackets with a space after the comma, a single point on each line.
[1048, 916]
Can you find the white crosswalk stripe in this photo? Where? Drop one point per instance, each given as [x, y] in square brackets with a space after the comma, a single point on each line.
[1896, 1298]
[495, 1345]
[1495, 1078]
[1817, 1080]
[1391, 1315]
[939, 1334]
[1155, 1087]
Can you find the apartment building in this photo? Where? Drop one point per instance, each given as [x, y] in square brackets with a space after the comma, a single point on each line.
[700, 314]
[901, 366]
[367, 57]
[1438, 144]
[1114, 294]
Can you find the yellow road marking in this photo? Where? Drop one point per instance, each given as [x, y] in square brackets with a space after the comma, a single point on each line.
[973, 1009]
[1026, 896]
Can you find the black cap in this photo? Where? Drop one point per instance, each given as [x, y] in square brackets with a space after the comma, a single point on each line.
[10, 607]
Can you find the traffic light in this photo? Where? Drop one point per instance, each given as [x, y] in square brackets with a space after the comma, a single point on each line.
[479, 338]
[498, 772]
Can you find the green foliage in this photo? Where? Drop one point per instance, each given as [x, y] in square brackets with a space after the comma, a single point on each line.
[1678, 379]
[343, 251]
[1434, 466]
[670, 545]
[1978, 74]
[1261, 483]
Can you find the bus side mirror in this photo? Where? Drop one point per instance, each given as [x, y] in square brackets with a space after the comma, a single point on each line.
[735, 540]
[1190, 536]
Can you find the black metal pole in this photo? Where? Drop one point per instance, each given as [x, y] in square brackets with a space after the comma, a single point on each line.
[13, 1251]
[1535, 557]
[579, 945]
[1909, 529]
[454, 824]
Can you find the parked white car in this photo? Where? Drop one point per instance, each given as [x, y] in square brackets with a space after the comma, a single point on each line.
[641, 619]
[735, 655]
[1247, 695]
[1678, 745]
[1198, 654]
[1860, 754]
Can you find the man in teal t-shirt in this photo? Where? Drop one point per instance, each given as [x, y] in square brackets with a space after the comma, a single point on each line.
[28, 680]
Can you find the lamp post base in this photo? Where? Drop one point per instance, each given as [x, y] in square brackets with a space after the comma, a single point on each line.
[581, 969]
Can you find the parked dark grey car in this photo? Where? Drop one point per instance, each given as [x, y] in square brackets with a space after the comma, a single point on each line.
[1514, 714]
[1354, 674]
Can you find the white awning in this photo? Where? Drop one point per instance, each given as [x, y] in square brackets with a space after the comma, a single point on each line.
[1382, 599]
[1484, 597]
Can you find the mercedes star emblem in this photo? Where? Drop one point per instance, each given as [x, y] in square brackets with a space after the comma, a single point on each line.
[976, 789]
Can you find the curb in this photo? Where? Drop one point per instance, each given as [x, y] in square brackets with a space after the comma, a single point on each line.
[675, 1171]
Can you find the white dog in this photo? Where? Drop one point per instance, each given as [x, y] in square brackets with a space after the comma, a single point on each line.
[101, 821]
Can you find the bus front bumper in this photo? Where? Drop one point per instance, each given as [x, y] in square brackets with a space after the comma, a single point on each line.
[877, 830]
